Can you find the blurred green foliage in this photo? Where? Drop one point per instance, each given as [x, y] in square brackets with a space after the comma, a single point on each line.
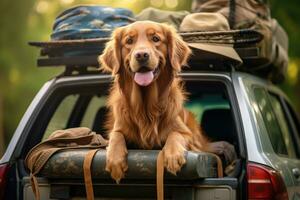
[31, 20]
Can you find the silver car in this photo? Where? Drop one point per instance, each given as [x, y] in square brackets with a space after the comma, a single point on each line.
[246, 111]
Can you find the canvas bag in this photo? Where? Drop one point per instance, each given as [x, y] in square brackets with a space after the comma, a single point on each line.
[72, 138]
[254, 14]
[240, 13]
[173, 18]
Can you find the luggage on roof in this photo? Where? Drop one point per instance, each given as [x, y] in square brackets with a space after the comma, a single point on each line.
[83, 22]
[260, 42]
[254, 15]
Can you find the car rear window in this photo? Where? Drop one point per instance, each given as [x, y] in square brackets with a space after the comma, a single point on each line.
[207, 100]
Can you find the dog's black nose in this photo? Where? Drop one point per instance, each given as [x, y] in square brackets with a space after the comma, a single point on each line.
[142, 56]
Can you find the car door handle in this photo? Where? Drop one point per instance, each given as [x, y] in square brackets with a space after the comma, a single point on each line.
[296, 172]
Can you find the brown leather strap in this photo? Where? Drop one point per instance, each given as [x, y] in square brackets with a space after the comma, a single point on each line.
[88, 159]
[160, 176]
[35, 187]
[219, 165]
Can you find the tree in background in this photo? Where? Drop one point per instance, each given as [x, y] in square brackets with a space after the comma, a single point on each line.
[13, 22]
[31, 20]
[288, 15]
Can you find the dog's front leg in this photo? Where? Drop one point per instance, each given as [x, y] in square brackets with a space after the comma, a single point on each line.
[116, 156]
[173, 150]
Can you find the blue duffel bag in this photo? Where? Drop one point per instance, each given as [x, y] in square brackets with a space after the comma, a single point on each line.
[86, 22]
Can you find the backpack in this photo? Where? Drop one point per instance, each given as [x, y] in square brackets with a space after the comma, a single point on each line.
[255, 15]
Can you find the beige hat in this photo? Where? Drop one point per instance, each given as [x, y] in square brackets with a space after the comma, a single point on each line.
[209, 22]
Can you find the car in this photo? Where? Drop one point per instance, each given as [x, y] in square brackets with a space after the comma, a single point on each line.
[232, 102]
[247, 111]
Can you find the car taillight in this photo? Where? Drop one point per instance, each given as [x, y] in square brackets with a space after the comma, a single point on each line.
[265, 183]
[3, 174]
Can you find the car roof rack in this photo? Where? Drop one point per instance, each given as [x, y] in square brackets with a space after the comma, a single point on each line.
[81, 55]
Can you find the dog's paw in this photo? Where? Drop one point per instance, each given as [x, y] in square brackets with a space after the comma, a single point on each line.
[116, 166]
[174, 160]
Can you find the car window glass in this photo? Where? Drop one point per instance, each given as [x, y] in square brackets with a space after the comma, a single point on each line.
[270, 121]
[89, 118]
[212, 109]
[61, 116]
[205, 102]
[283, 124]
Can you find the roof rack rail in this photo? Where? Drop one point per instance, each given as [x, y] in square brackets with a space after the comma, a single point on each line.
[81, 55]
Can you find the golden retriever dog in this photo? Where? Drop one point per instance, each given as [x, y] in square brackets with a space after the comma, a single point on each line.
[146, 99]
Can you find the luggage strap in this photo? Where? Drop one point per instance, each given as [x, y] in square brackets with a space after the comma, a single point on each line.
[87, 174]
[88, 178]
[160, 176]
[159, 173]
[35, 186]
[231, 18]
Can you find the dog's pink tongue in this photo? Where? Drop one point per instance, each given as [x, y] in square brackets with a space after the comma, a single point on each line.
[143, 78]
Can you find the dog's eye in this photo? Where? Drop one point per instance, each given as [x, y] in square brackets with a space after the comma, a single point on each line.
[155, 38]
[129, 41]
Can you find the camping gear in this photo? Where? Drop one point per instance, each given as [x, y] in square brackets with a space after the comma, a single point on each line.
[240, 13]
[78, 153]
[259, 42]
[81, 55]
[82, 22]
[255, 15]
[141, 165]
[209, 22]
[173, 18]
[73, 138]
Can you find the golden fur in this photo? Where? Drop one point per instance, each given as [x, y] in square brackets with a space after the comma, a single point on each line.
[153, 116]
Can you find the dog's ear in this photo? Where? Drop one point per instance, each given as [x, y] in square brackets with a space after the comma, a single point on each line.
[110, 59]
[178, 50]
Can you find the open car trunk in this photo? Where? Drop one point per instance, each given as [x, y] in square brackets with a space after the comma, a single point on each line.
[62, 178]
[80, 101]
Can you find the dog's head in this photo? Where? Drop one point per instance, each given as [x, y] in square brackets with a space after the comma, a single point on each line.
[143, 49]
